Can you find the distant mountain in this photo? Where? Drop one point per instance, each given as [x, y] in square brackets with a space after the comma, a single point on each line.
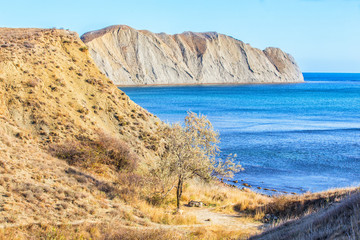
[132, 57]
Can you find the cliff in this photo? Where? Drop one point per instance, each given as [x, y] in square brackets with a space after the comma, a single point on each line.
[131, 57]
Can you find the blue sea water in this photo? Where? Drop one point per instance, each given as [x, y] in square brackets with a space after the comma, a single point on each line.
[288, 137]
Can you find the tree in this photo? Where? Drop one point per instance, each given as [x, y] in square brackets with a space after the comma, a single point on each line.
[191, 151]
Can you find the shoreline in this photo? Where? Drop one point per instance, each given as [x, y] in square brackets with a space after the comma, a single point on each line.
[208, 84]
[264, 190]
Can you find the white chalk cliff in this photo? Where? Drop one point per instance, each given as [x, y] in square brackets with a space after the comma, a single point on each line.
[132, 57]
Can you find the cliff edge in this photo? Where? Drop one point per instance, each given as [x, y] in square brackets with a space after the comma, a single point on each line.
[132, 57]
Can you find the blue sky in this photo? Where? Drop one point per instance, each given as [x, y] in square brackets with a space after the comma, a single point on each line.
[322, 35]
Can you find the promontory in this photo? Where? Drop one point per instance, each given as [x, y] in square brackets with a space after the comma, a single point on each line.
[139, 57]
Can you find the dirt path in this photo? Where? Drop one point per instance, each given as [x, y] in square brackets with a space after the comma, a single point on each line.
[205, 216]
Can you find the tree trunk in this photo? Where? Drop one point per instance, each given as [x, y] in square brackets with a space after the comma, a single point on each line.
[179, 192]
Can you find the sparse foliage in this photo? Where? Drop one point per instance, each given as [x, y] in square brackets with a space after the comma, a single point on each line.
[191, 151]
[106, 149]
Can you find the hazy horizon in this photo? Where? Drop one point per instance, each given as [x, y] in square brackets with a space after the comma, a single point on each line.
[322, 35]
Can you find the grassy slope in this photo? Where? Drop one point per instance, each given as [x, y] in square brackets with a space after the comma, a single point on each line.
[51, 92]
[331, 214]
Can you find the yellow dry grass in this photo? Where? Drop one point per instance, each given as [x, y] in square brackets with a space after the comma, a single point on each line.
[220, 232]
[110, 231]
[339, 220]
[294, 206]
[223, 198]
[165, 214]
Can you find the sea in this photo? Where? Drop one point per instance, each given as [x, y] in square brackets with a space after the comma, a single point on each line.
[289, 138]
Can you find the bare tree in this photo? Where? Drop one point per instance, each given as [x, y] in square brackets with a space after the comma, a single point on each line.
[191, 151]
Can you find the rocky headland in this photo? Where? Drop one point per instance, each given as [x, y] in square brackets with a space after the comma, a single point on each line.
[132, 57]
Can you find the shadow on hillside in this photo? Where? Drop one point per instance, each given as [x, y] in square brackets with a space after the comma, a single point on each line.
[110, 191]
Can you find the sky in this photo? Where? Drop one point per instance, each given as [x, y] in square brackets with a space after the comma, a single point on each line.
[322, 35]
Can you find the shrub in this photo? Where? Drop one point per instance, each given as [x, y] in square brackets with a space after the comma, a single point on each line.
[117, 151]
[83, 49]
[131, 186]
[104, 150]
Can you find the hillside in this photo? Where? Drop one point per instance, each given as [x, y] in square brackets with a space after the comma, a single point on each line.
[54, 101]
[338, 218]
[51, 88]
[132, 57]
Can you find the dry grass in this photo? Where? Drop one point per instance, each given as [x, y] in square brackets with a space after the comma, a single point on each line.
[87, 231]
[92, 154]
[295, 206]
[165, 214]
[35, 187]
[224, 198]
[220, 232]
[337, 221]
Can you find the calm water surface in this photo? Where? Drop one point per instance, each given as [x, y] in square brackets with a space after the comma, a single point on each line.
[290, 137]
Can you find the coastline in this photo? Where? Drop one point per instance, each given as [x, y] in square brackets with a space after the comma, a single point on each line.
[261, 189]
[208, 84]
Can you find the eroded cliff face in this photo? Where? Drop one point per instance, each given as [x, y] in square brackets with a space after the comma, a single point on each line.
[131, 57]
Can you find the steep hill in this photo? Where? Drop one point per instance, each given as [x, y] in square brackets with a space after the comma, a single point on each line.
[51, 88]
[131, 57]
[55, 102]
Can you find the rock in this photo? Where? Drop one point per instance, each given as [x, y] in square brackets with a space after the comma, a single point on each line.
[208, 220]
[247, 185]
[131, 57]
[258, 187]
[195, 203]
[270, 218]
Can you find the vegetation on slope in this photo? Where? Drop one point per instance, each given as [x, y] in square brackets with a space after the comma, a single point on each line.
[51, 88]
[331, 214]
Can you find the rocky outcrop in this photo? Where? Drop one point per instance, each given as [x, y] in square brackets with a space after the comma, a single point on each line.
[131, 57]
